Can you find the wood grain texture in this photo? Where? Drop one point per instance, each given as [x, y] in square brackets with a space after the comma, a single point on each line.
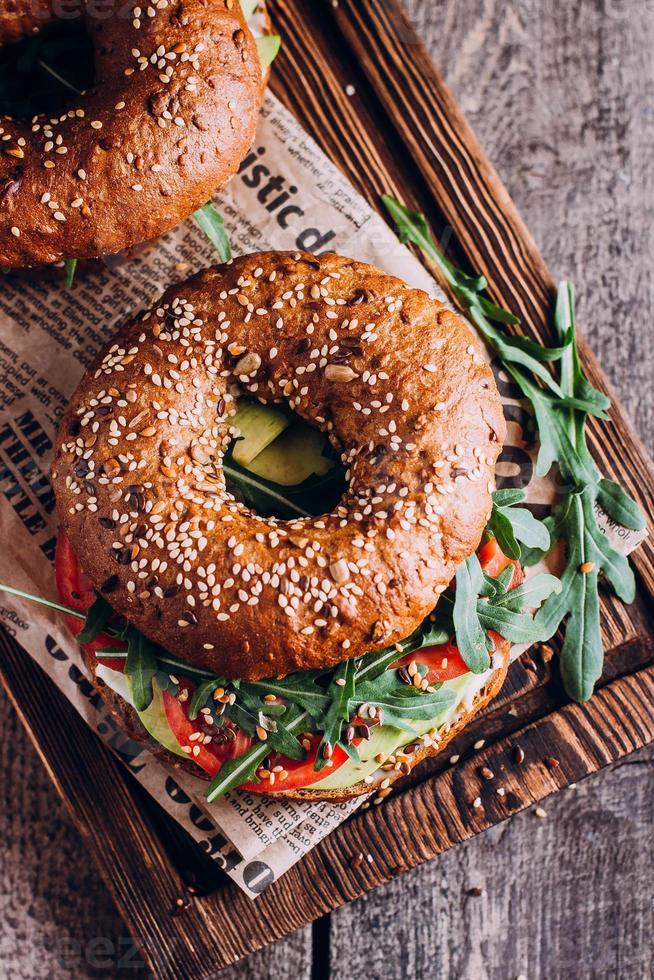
[560, 98]
[530, 90]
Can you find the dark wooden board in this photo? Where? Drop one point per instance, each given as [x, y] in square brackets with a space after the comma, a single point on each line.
[364, 135]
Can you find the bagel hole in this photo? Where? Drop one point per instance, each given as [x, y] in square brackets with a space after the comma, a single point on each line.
[293, 470]
[46, 72]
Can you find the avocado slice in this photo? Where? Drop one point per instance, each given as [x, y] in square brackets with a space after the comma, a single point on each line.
[293, 457]
[259, 425]
[153, 718]
[268, 49]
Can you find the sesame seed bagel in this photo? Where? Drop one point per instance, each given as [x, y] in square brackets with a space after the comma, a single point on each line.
[168, 121]
[396, 380]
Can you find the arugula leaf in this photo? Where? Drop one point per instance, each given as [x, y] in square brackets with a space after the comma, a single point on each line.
[338, 713]
[432, 632]
[279, 738]
[243, 769]
[498, 586]
[617, 503]
[531, 594]
[40, 601]
[517, 627]
[97, 618]
[470, 636]
[248, 7]
[402, 703]
[71, 268]
[573, 381]
[511, 525]
[140, 667]
[412, 227]
[561, 409]
[212, 223]
[202, 694]
[300, 689]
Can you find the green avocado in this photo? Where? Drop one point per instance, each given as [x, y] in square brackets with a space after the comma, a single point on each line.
[259, 426]
[293, 457]
[156, 724]
[153, 718]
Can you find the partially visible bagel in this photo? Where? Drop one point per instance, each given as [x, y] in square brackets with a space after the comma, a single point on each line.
[20, 18]
[396, 380]
[421, 748]
[170, 117]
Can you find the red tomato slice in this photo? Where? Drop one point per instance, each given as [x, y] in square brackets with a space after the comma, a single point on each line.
[493, 561]
[444, 662]
[210, 756]
[299, 773]
[75, 590]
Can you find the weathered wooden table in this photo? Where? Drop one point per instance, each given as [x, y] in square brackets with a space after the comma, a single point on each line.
[562, 98]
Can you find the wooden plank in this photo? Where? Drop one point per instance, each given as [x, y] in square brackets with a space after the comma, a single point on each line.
[566, 896]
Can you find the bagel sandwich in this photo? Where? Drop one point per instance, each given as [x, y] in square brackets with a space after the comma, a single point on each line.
[169, 118]
[264, 638]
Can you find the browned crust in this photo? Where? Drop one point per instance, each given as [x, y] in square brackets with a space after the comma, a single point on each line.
[107, 194]
[131, 723]
[20, 18]
[138, 476]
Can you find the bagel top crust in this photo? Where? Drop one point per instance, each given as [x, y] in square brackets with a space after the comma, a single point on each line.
[398, 382]
[171, 115]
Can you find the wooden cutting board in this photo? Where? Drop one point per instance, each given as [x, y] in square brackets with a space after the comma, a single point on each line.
[398, 130]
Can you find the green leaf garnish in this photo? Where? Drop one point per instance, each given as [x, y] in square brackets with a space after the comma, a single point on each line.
[402, 703]
[202, 694]
[40, 601]
[470, 637]
[71, 268]
[97, 618]
[300, 689]
[561, 410]
[617, 503]
[140, 667]
[212, 223]
[341, 691]
[513, 525]
[243, 769]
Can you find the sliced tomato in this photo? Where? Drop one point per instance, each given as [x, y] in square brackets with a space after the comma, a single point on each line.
[298, 773]
[210, 756]
[75, 590]
[493, 561]
[443, 662]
